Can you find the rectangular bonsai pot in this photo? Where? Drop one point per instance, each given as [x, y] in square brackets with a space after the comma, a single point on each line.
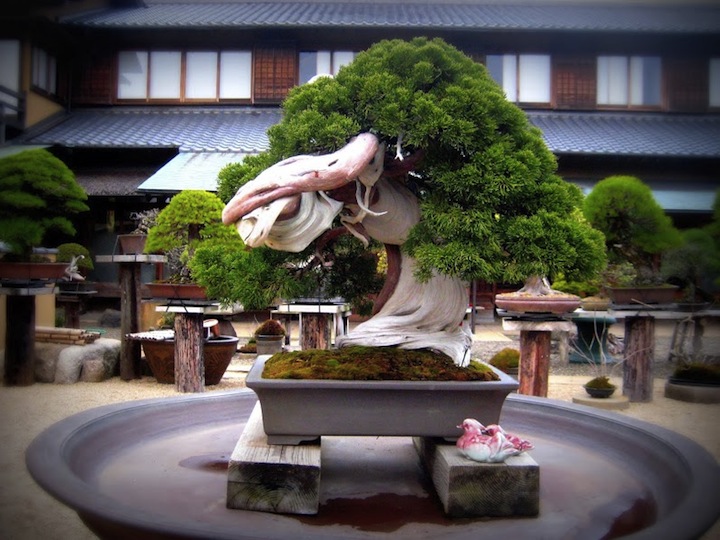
[301, 410]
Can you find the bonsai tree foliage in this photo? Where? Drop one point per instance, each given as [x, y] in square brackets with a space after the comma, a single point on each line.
[415, 146]
[69, 251]
[693, 265]
[192, 218]
[635, 226]
[38, 194]
[270, 327]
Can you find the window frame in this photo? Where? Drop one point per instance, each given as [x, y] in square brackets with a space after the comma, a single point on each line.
[48, 69]
[183, 73]
[631, 64]
[517, 65]
[333, 59]
[713, 102]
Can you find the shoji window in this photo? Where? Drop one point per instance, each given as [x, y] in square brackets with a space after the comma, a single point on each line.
[525, 78]
[714, 83]
[185, 75]
[322, 63]
[629, 81]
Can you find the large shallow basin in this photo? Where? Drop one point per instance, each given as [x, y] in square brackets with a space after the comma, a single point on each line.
[157, 469]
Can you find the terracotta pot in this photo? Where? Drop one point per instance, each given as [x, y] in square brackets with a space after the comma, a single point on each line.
[187, 291]
[664, 294]
[132, 244]
[301, 410]
[537, 304]
[217, 354]
[27, 271]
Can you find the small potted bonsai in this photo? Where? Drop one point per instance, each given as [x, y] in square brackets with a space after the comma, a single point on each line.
[79, 264]
[637, 231]
[39, 194]
[600, 387]
[191, 218]
[134, 242]
[269, 337]
[507, 360]
[692, 267]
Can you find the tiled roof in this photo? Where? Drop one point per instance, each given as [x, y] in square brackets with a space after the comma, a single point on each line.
[190, 170]
[243, 129]
[190, 129]
[627, 134]
[437, 15]
[112, 181]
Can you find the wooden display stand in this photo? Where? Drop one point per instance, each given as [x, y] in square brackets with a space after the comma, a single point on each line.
[20, 338]
[535, 339]
[130, 298]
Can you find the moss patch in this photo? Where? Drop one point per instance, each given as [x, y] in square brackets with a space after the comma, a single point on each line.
[373, 364]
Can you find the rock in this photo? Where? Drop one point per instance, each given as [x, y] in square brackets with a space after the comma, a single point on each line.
[105, 353]
[46, 358]
[93, 371]
[110, 318]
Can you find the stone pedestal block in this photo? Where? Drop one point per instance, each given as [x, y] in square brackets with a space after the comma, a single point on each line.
[468, 488]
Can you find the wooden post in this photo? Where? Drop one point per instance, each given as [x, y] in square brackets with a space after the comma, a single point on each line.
[315, 331]
[189, 365]
[535, 339]
[129, 320]
[639, 355]
[534, 362]
[20, 341]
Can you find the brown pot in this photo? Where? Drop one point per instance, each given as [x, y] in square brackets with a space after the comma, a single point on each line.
[186, 291]
[31, 270]
[132, 244]
[217, 354]
[537, 304]
[661, 294]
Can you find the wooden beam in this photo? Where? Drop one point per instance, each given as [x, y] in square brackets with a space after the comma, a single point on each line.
[270, 477]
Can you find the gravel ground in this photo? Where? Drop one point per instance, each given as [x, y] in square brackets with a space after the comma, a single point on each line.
[27, 512]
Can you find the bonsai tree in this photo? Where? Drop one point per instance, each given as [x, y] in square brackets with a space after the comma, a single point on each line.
[191, 218]
[635, 226]
[78, 257]
[693, 265]
[419, 133]
[270, 327]
[38, 194]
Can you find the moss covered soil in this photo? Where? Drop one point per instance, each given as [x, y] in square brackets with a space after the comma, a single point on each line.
[373, 364]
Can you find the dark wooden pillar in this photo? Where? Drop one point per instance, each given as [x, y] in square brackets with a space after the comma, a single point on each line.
[129, 320]
[20, 340]
[639, 355]
[534, 362]
[315, 331]
[189, 364]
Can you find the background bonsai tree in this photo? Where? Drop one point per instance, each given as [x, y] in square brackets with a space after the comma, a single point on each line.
[474, 188]
[38, 194]
[69, 251]
[693, 266]
[191, 218]
[635, 226]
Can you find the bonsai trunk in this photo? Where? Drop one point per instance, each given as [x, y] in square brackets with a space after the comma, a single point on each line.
[536, 286]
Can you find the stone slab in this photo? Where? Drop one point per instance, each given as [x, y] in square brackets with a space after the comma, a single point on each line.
[271, 477]
[612, 403]
[468, 488]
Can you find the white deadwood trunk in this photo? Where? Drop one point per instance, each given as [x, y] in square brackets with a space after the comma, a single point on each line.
[286, 208]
